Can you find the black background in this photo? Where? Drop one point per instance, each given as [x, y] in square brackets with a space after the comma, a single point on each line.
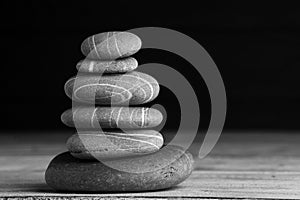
[255, 46]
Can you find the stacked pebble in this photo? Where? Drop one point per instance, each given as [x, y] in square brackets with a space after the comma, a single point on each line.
[108, 79]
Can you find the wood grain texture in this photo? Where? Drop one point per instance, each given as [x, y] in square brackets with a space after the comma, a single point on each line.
[113, 66]
[111, 45]
[105, 145]
[241, 166]
[112, 117]
[122, 89]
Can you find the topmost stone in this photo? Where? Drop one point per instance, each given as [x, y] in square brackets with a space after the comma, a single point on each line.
[111, 45]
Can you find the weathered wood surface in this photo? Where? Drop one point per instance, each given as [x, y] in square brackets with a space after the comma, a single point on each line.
[240, 166]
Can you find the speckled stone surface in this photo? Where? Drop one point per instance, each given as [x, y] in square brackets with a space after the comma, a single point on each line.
[120, 89]
[151, 172]
[108, 145]
[112, 117]
[112, 66]
[111, 45]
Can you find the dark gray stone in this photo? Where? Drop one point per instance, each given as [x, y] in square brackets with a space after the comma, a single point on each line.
[149, 172]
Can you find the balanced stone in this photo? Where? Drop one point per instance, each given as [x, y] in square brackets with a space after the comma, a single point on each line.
[112, 117]
[109, 145]
[160, 170]
[111, 45]
[113, 66]
[118, 89]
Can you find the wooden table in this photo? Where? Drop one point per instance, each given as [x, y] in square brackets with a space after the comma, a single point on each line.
[251, 166]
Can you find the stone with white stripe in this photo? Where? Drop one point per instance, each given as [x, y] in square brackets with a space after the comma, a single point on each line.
[112, 117]
[111, 45]
[112, 66]
[110, 145]
[132, 88]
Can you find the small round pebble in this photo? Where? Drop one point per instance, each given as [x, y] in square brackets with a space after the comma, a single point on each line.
[160, 170]
[111, 45]
[113, 66]
[112, 117]
[119, 89]
[110, 145]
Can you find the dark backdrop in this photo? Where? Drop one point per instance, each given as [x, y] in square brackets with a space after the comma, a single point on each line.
[256, 48]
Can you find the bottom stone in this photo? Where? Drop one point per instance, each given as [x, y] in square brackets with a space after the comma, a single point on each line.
[163, 169]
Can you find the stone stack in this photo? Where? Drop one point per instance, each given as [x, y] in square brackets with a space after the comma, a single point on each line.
[115, 160]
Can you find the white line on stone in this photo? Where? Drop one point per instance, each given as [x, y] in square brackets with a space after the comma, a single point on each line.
[115, 136]
[134, 87]
[110, 116]
[143, 118]
[92, 118]
[107, 44]
[93, 39]
[98, 84]
[118, 50]
[118, 116]
[130, 117]
[146, 82]
[124, 134]
[146, 113]
[91, 66]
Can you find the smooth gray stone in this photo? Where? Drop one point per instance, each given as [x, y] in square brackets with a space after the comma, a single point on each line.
[111, 45]
[151, 172]
[119, 89]
[112, 117]
[113, 66]
[108, 145]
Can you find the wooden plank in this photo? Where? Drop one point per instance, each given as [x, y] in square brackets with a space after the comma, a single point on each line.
[202, 184]
[240, 166]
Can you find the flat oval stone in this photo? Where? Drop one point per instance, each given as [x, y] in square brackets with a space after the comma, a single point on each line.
[111, 45]
[112, 117]
[119, 89]
[109, 145]
[113, 66]
[160, 170]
